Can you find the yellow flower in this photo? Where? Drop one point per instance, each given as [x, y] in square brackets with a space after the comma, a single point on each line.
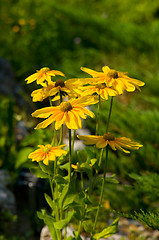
[109, 139]
[76, 167]
[47, 153]
[66, 87]
[115, 79]
[42, 76]
[69, 112]
[42, 93]
[101, 89]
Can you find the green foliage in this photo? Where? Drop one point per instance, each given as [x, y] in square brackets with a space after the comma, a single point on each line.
[107, 232]
[147, 184]
[49, 221]
[149, 218]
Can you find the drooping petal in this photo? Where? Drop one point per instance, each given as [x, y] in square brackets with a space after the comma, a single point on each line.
[120, 148]
[31, 78]
[101, 143]
[89, 139]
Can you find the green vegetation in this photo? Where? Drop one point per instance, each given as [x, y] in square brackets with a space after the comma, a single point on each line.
[70, 34]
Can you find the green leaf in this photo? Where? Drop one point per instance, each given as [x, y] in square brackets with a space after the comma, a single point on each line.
[87, 226]
[49, 201]
[63, 223]
[112, 180]
[70, 238]
[38, 172]
[22, 156]
[109, 231]
[63, 195]
[59, 179]
[69, 199]
[44, 167]
[77, 237]
[93, 161]
[49, 221]
[91, 209]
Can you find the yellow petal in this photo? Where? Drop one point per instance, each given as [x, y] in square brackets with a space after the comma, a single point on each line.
[45, 123]
[32, 78]
[91, 72]
[44, 112]
[101, 143]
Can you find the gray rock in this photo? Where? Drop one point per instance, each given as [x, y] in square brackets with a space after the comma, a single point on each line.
[7, 200]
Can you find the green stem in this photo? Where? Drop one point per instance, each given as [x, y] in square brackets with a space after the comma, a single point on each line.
[73, 140]
[97, 121]
[54, 139]
[79, 228]
[61, 130]
[50, 181]
[70, 156]
[82, 185]
[102, 190]
[110, 111]
[100, 158]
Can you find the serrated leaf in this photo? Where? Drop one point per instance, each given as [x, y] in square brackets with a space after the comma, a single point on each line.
[49, 221]
[64, 222]
[49, 201]
[38, 172]
[107, 232]
[22, 156]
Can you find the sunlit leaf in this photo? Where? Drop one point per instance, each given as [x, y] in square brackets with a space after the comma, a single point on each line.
[109, 231]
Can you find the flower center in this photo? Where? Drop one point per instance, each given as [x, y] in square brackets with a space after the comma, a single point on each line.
[101, 86]
[44, 70]
[46, 149]
[59, 82]
[65, 106]
[113, 74]
[109, 136]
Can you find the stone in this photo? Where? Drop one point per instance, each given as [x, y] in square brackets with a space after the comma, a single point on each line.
[7, 199]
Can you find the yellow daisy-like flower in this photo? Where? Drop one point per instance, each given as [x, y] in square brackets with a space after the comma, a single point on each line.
[115, 79]
[66, 87]
[100, 89]
[47, 153]
[42, 93]
[69, 112]
[109, 139]
[43, 75]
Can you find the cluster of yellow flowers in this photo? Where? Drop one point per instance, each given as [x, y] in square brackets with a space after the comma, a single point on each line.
[81, 93]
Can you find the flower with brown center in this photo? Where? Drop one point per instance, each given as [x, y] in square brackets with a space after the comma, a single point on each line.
[117, 80]
[47, 153]
[65, 87]
[100, 89]
[43, 75]
[111, 140]
[69, 112]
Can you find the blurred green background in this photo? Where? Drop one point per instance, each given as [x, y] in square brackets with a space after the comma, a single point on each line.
[65, 35]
